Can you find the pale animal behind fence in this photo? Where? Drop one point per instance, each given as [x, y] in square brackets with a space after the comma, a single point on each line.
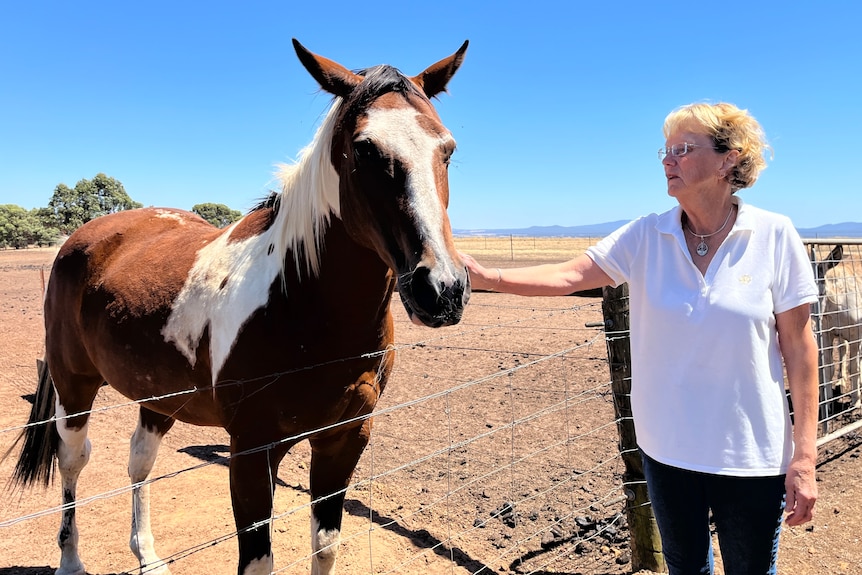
[837, 319]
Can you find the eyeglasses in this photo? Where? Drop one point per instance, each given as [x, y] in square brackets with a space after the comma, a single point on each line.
[678, 150]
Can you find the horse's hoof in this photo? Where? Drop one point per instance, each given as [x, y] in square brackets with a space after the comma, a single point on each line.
[77, 569]
[155, 569]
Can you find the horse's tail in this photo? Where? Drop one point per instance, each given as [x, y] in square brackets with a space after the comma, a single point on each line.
[37, 460]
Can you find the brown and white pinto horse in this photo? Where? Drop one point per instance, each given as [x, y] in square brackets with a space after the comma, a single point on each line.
[280, 323]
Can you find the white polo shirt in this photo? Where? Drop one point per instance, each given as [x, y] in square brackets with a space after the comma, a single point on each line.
[707, 374]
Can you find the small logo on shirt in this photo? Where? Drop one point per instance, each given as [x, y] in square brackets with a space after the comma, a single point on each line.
[745, 279]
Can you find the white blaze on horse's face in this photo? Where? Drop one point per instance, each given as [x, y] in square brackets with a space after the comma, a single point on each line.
[399, 132]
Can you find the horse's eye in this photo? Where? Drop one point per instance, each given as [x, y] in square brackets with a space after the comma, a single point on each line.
[447, 154]
[365, 150]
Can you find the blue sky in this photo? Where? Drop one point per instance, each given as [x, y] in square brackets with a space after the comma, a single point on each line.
[557, 109]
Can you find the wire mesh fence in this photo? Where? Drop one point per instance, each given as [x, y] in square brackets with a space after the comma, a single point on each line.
[837, 322]
[494, 449]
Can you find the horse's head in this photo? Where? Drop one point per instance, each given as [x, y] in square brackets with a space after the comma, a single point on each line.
[821, 268]
[391, 153]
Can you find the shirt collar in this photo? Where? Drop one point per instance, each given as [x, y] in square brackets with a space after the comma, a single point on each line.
[670, 222]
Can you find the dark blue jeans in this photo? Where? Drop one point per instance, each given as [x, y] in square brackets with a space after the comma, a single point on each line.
[747, 512]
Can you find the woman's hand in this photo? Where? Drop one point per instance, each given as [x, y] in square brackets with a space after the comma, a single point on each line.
[481, 278]
[801, 488]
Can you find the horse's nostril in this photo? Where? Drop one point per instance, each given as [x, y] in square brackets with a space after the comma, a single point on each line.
[437, 303]
[421, 289]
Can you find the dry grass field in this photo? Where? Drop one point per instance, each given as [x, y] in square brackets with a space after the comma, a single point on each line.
[518, 250]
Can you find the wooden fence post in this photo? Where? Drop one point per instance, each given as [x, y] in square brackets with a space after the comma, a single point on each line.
[645, 540]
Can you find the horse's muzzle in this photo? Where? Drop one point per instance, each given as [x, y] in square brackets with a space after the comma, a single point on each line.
[434, 302]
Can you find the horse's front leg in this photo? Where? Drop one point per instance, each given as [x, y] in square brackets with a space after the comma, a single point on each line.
[333, 460]
[252, 485]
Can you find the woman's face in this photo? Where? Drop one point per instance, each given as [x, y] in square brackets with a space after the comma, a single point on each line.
[691, 164]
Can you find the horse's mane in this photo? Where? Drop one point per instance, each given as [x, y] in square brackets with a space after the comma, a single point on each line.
[309, 186]
[266, 203]
[309, 195]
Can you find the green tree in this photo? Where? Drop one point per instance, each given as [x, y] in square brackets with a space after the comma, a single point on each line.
[20, 228]
[218, 215]
[68, 209]
[89, 199]
[45, 217]
[47, 233]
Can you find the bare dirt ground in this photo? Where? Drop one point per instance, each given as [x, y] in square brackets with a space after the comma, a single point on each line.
[513, 470]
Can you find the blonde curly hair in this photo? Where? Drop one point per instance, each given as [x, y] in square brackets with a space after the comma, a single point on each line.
[730, 129]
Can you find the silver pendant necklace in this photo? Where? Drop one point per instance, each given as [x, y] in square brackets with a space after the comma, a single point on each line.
[702, 249]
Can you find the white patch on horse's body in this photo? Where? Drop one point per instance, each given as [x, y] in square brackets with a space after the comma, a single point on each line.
[171, 215]
[324, 546]
[227, 283]
[230, 280]
[406, 138]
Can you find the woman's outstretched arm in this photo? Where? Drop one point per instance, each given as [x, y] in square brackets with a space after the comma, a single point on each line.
[577, 274]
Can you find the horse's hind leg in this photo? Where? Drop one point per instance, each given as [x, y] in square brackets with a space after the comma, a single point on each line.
[73, 453]
[145, 442]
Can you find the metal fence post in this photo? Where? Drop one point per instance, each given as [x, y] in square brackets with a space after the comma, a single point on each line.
[824, 350]
[645, 540]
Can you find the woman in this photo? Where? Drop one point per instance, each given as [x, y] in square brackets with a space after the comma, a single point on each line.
[720, 293]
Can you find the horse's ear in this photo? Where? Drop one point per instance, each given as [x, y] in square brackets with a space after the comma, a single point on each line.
[434, 79]
[332, 76]
[830, 262]
[837, 253]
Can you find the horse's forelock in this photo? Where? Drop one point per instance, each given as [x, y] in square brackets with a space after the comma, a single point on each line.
[379, 80]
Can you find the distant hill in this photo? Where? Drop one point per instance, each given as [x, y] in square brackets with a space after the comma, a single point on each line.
[585, 231]
[842, 230]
